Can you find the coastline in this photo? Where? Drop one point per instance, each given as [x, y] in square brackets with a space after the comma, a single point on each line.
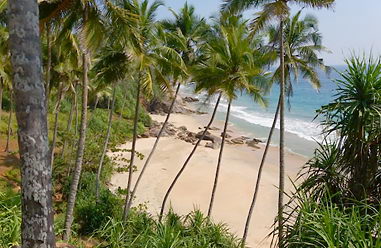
[237, 178]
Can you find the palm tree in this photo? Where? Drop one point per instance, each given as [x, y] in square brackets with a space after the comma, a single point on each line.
[231, 65]
[277, 9]
[37, 228]
[303, 43]
[82, 16]
[9, 128]
[185, 31]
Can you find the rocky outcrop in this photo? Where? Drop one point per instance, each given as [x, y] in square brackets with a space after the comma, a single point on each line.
[190, 99]
[210, 137]
[254, 143]
[162, 107]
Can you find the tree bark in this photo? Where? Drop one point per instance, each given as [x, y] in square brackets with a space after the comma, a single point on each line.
[54, 141]
[37, 229]
[188, 159]
[153, 149]
[9, 122]
[97, 183]
[81, 144]
[281, 140]
[219, 161]
[131, 169]
[259, 176]
[48, 65]
[1, 96]
[68, 128]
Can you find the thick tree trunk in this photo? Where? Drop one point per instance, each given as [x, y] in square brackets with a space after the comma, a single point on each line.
[48, 65]
[56, 112]
[188, 159]
[81, 145]
[9, 130]
[259, 176]
[281, 140]
[131, 167]
[97, 183]
[68, 127]
[153, 150]
[219, 161]
[37, 228]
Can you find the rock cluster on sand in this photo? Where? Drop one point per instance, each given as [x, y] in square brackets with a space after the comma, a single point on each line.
[184, 134]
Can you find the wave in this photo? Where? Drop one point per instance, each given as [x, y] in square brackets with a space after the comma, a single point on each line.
[304, 129]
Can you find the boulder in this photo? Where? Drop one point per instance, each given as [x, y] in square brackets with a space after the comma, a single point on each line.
[210, 137]
[226, 135]
[212, 145]
[238, 141]
[162, 107]
[253, 143]
[190, 99]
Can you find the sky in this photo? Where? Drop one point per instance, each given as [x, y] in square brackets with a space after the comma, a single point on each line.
[352, 26]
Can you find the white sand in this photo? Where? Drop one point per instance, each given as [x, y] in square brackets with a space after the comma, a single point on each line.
[237, 179]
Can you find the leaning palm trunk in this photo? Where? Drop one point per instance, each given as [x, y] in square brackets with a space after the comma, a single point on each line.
[188, 159]
[81, 147]
[281, 139]
[68, 128]
[132, 159]
[56, 112]
[9, 129]
[259, 176]
[153, 150]
[37, 229]
[219, 160]
[97, 183]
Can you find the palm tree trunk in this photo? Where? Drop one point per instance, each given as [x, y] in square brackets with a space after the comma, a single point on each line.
[188, 159]
[1, 96]
[68, 127]
[121, 109]
[48, 65]
[97, 183]
[219, 161]
[9, 130]
[259, 176]
[37, 229]
[81, 145]
[131, 169]
[153, 150]
[54, 141]
[281, 140]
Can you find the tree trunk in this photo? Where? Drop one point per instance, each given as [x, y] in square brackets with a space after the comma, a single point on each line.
[259, 176]
[153, 150]
[37, 229]
[9, 122]
[121, 109]
[56, 112]
[105, 145]
[48, 65]
[1, 96]
[219, 160]
[131, 167]
[81, 145]
[188, 159]
[281, 140]
[68, 128]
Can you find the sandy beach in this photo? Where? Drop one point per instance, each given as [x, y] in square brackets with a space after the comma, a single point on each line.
[237, 179]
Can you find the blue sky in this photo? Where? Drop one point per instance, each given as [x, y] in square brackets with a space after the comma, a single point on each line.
[352, 26]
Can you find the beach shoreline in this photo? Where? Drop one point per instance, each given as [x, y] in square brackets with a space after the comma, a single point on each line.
[237, 177]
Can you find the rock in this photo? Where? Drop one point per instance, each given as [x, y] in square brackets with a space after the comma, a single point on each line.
[145, 135]
[190, 99]
[212, 145]
[182, 128]
[155, 128]
[226, 135]
[253, 143]
[238, 141]
[213, 128]
[162, 107]
[210, 137]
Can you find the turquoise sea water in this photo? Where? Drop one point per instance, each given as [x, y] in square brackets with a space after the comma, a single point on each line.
[302, 131]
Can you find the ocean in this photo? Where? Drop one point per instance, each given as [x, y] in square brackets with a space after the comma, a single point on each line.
[303, 131]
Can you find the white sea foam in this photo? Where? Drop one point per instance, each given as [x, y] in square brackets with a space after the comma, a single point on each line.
[305, 129]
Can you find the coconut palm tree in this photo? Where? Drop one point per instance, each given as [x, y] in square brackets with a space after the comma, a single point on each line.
[185, 32]
[37, 229]
[82, 17]
[234, 65]
[276, 9]
[303, 43]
